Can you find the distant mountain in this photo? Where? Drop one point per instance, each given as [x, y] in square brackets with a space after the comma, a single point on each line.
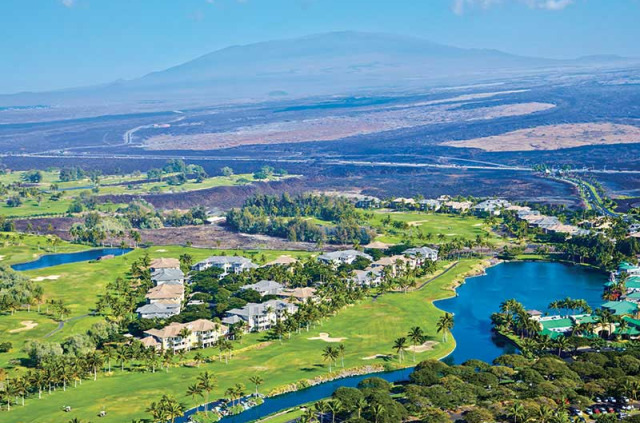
[331, 63]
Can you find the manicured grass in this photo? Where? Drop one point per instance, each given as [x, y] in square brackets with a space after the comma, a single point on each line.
[429, 225]
[369, 328]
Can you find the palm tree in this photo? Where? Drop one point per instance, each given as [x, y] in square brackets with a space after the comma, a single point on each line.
[206, 383]
[378, 410]
[399, 345]
[516, 412]
[257, 381]
[333, 407]
[445, 325]
[416, 335]
[330, 354]
[544, 415]
[341, 351]
[194, 391]
[562, 343]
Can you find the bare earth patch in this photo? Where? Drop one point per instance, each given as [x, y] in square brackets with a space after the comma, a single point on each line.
[326, 338]
[26, 325]
[555, 137]
[331, 128]
[46, 278]
[427, 346]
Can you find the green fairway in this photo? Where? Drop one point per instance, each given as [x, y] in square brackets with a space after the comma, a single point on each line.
[428, 227]
[369, 328]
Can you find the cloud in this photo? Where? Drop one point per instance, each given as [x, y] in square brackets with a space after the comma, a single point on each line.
[461, 6]
[68, 3]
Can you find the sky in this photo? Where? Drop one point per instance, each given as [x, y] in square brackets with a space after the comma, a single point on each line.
[55, 44]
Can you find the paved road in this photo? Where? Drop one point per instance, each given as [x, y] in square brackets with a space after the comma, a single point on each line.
[62, 323]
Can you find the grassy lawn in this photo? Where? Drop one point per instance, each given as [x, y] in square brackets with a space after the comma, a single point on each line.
[124, 395]
[422, 225]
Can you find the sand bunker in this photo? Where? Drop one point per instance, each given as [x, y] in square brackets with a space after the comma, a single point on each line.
[26, 325]
[326, 338]
[161, 251]
[1, 258]
[554, 137]
[46, 278]
[373, 357]
[427, 346]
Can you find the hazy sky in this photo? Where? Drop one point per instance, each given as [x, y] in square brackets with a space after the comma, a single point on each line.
[51, 44]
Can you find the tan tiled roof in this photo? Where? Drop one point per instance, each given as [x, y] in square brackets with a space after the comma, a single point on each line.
[390, 261]
[165, 291]
[174, 329]
[377, 245]
[149, 342]
[165, 263]
[300, 293]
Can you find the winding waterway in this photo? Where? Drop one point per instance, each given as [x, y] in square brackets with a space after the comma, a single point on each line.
[534, 284]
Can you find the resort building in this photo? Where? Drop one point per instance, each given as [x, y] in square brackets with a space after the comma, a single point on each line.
[368, 203]
[421, 254]
[265, 287]
[630, 269]
[164, 263]
[168, 276]
[368, 277]
[490, 207]
[392, 262]
[298, 294]
[229, 264]
[621, 308]
[185, 336]
[430, 205]
[165, 293]
[337, 258]
[159, 310]
[259, 317]
[403, 203]
[458, 206]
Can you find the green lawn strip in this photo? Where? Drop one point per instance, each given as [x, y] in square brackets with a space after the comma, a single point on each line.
[369, 328]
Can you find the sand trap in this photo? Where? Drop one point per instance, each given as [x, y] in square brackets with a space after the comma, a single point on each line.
[418, 222]
[46, 278]
[326, 338]
[161, 251]
[1, 258]
[427, 346]
[26, 325]
[478, 224]
[373, 357]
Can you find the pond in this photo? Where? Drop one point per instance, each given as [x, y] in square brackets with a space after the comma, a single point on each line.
[65, 258]
[534, 284]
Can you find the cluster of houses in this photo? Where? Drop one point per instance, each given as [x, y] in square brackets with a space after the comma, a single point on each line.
[400, 203]
[165, 299]
[373, 274]
[167, 295]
